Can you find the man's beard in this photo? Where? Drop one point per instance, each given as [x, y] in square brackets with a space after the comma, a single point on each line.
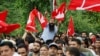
[52, 55]
[36, 51]
[51, 27]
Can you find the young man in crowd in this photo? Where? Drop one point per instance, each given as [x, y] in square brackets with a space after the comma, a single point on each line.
[7, 49]
[97, 45]
[72, 51]
[36, 49]
[84, 35]
[60, 52]
[53, 48]
[44, 50]
[77, 43]
[22, 50]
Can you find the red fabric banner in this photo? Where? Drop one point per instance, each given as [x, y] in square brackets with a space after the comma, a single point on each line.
[3, 26]
[59, 12]
[42, 19]
[90, 5]
[11, 27]
[70, 30]
[31, 26]
[3, 15]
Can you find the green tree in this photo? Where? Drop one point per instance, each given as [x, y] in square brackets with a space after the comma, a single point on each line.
[18, 12]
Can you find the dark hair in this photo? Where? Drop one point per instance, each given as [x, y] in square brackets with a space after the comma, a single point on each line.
[38, 42]
[59, 41]
[49, 41]
[66, 40]
[97, 36]
[77, 41]
[0, 40]
[59, 48]
[19, 40]
[45, 46]
[56, 37]
[7, 43]
[29, 38]
[21, 46]
[84, 32]
[87, 41]
[73, 51]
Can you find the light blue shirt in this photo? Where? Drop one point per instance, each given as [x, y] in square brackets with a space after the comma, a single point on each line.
[47, 35]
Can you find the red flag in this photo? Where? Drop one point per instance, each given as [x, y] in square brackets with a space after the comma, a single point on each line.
[11, 27]
[91, 5]
[31, 26]
[42, 19]
[59, 13]
[70, 30]
[3, 26]
[3, 15]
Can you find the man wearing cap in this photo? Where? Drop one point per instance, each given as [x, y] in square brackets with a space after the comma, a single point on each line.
[53, 48]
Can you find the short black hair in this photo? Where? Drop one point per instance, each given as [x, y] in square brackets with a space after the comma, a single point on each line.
[19, 40]
[45, 46]
[59, 41]
[29, 38]
[22, 46]
[56, 36]
[59, 48]
[49, 41]
[77, 41]
[38, 43]
[7, 43]
[74, 51]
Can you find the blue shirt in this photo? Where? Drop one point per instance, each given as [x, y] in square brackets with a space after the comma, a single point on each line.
[47, 35]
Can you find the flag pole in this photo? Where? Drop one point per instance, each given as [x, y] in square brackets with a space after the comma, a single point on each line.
[54, 4]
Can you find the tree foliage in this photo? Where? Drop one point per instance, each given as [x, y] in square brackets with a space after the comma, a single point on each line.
[18, 12]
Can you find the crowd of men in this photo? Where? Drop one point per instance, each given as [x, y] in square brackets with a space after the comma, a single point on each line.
[51, 43]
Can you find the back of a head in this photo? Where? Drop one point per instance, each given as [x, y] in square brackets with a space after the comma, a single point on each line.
[73, 51]
[19, 40]
[77, 41]
[29, 38]
[49, 41]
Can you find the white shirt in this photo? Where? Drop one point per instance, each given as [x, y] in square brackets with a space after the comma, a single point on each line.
[47, 35]
[16, 54]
